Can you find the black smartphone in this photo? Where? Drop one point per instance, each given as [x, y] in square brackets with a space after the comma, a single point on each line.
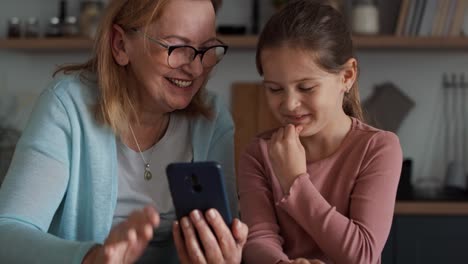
[198, 185]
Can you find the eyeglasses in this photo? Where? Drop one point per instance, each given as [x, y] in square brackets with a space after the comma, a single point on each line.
[179, 55]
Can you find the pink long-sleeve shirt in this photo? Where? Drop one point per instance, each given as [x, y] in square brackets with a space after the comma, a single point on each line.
[340, 211]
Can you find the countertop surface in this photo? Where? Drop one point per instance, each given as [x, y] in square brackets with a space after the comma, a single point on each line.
[454, 208]
[439, 202]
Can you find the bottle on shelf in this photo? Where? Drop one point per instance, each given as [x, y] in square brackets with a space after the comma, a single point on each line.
[90, 13]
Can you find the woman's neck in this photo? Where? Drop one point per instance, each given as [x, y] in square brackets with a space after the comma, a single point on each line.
[148, 130]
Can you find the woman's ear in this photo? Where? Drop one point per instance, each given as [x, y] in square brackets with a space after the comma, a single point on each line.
[118, 45]
[349, 74]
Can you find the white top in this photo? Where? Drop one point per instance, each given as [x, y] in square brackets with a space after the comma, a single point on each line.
[134, 192]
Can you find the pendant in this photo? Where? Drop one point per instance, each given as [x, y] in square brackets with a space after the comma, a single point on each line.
[148, 175]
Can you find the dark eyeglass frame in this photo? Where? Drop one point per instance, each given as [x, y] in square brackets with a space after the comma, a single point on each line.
[171, 48]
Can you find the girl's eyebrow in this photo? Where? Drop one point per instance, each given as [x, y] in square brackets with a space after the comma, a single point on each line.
[306, 79]
[267, 81]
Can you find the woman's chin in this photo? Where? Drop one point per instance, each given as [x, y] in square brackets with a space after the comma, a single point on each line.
[179, 105]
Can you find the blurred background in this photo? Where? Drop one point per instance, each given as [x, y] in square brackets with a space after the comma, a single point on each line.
[413, 58]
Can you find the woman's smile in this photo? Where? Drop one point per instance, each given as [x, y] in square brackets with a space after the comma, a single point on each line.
[181, 83]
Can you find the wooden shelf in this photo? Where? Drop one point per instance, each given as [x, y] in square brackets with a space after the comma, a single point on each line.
[250, 41]
[393, 42]
[431, 208]
[47, 44]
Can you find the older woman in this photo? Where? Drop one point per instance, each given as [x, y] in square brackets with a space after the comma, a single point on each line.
[87, 181]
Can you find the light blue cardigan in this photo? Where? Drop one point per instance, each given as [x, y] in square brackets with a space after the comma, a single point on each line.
[59, 195]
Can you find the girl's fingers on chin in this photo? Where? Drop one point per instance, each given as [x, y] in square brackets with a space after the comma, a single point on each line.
[280, 133]
[289, 131]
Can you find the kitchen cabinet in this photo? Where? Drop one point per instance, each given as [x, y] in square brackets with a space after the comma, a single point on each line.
[428, 232]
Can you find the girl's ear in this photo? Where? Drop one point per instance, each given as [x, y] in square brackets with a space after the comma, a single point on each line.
[118, 45]
[349, 74]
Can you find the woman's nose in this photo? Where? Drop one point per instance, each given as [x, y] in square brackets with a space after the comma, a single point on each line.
[195, 68]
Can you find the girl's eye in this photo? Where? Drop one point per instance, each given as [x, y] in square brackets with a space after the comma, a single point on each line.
[306, 89]
[274, 89]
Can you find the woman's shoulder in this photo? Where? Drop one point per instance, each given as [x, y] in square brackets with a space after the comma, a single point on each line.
[74, 86]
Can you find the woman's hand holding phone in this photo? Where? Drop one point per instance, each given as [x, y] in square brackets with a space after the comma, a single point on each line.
[127, 240]
[219, 243]
[287, 155]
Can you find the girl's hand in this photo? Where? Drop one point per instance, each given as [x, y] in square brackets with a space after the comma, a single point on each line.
[287, 155]
[126, 241]
[217, 243]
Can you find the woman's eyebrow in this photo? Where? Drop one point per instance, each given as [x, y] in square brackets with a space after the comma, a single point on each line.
[186, 40]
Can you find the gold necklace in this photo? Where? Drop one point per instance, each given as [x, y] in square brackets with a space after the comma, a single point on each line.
[147, 175]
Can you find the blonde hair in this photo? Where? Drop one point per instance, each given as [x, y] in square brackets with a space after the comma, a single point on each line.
[116, 102]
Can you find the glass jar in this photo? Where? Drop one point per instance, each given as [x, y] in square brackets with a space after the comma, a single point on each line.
[14, 27]
[32, 28]
[365, 17]
[70, 27]
[54, 28]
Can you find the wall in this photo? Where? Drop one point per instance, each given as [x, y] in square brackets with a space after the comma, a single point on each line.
[417, 73]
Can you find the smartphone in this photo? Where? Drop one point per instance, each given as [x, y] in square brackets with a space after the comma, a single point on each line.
[198, 185]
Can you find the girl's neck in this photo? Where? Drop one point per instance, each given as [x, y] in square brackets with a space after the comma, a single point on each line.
[327, 141]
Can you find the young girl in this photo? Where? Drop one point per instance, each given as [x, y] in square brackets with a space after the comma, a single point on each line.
[323, 185]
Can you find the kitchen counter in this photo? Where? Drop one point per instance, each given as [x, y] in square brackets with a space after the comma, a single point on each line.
[454, 208]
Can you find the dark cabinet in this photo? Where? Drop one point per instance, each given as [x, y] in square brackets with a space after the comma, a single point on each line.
[427, 239]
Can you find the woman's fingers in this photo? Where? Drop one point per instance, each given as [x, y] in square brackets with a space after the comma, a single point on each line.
[152, 215]
[214, 254]
[192, 246]
[222, 232]
[144, 222]
[179, 243]
[127, 241]
[240, 232]
[196, 232]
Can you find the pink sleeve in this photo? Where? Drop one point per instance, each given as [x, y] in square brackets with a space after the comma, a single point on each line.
[264, 244]
[359, 238]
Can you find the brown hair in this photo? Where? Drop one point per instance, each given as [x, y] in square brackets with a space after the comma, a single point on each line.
[315, 26]
[116, 102]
